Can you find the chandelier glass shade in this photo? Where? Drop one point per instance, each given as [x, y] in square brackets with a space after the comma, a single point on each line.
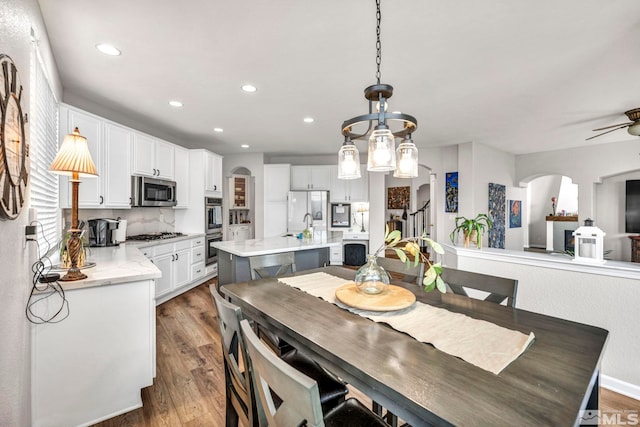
[407, 159]
[380, 128]
[348, 161]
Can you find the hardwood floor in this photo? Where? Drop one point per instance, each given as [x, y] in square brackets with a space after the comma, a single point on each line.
[189, 386]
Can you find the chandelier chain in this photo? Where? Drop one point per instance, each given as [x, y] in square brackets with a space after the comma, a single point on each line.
[378, 44]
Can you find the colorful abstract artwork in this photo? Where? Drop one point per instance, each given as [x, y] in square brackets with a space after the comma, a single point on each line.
[515, 213]
[451, 192]
[398, 197]
[497, 206]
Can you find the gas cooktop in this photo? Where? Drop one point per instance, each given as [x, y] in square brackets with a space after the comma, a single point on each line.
[154, 236]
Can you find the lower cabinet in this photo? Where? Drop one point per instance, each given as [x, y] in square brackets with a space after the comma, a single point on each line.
[174, 261]
[239, 233]
[182, 264]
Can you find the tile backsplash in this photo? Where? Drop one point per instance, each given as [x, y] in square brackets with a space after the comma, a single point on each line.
[139, 220]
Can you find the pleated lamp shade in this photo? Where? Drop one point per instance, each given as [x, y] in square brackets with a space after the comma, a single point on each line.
[74, 157]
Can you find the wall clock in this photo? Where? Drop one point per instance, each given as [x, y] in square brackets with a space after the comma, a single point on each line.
[14, 148]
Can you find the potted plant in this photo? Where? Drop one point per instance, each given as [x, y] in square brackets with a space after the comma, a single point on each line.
[471, 228]
[373, 279]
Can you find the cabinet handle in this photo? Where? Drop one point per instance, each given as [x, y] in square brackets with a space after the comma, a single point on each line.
[101, 200]
[215, 187]
[176, 257]
[158, 172]
[152, 261]
[130, 201]
[154, 171]
[198, 254]
[173, 257]
[198, 271]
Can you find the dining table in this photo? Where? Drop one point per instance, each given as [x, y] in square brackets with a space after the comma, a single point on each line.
[551, 383]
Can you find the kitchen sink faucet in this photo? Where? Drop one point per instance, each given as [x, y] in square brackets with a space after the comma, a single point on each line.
[306, 218]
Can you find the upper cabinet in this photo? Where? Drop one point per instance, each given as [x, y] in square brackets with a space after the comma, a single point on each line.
[349, 190]
[152, 157]
[310, 177]
[277, 179]
[181, 176]
[239, 191]
[213, 174]
[110, 147]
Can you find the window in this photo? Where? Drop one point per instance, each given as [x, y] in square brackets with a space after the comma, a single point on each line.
[43, 129]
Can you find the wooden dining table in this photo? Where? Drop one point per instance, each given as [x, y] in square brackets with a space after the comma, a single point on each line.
[548, 385]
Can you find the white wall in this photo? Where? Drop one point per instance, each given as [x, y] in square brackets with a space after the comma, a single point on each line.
[17, 18]
[585, 166]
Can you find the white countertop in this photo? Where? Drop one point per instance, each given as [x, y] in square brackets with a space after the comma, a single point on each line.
[273, 245]
[114, 264]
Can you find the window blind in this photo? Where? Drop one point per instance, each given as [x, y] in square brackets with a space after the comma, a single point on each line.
[43, 128]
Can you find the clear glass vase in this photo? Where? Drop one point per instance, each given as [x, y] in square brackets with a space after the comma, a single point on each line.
[371, 278]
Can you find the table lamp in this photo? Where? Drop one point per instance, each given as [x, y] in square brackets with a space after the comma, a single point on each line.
[74, 159]
[362, 210]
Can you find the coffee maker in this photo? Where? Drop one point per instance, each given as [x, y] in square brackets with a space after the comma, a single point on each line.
[102, 232]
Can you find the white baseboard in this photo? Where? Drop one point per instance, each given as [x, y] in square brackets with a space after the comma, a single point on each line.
[614, 384]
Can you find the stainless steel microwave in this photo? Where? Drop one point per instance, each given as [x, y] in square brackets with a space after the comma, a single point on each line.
[147, 191]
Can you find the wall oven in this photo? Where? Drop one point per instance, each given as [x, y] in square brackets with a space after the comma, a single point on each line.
[213, 226]
[213, 214]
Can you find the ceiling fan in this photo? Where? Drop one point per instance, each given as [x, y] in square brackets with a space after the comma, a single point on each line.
[633, 126]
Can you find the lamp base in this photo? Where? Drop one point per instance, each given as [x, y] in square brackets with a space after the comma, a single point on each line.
[73, 274]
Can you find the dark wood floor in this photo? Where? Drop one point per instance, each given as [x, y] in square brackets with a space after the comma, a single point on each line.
[189, 386]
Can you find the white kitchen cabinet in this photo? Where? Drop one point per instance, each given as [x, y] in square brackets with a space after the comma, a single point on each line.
[174, 261]
[213, 173]
[277, 182]
[109, 145]
[239, 233]
[310, 177]
[152, 157]
[275, 219]
[335, 255]
[198, 258]
[349, 190]
[181, 177]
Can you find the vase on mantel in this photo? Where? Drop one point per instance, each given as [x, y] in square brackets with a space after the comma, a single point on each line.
[371, 279]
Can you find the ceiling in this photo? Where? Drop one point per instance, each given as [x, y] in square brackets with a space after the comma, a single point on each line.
[521, 76]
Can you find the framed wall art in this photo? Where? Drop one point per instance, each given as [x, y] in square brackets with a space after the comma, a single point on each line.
[398, 197]
[515, 213]
[451, 192]
[497, 202]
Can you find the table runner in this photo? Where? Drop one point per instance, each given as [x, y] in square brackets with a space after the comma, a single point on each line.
[481, 343]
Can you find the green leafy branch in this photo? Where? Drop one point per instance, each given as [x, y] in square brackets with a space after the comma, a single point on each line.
[409, 247]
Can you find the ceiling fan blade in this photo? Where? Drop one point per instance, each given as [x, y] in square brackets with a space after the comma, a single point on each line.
[612, 126]
[609, 131]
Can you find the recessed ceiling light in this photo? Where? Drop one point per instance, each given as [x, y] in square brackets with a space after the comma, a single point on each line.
[218, 129]
[308, 119]
[107, 49]
[176, 104]
[249, 88]
[244, 146]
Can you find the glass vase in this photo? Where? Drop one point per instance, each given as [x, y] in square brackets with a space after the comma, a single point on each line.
[372, 279]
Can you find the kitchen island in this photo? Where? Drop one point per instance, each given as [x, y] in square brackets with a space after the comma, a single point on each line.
[233, 256]
[91, 365]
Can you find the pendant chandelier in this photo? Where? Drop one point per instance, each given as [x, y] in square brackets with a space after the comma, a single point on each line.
[382, 154]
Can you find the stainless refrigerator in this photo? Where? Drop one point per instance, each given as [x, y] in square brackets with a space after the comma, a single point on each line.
[307, 208]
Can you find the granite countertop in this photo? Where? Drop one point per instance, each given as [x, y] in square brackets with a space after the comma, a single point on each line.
[147, 243]
[273, 245]
[115, 264]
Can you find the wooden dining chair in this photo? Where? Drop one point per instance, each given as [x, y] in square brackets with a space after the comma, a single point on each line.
[499, 288]
[287, 397]
[264, 266]
[240, 396]
[272, 265]
[399, 269]
[240, 400]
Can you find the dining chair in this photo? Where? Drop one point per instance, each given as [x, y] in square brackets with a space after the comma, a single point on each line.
[499, 288]
[262, 267]
[287, 397]
[397, 268]
[240, 400]
[240, 396]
